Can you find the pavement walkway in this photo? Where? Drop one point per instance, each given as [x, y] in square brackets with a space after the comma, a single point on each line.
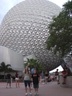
[49, 89]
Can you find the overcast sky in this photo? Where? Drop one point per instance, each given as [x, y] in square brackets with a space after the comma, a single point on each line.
[6, 5]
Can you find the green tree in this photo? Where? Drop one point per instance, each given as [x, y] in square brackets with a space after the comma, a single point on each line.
[33, 63]
[60, 31]
[5, 68]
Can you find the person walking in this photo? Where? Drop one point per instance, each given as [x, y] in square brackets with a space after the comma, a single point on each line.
[57, 77]
[8, 80]
[46, 76]
[35, 79]
[17, 80]
[64, 74]
[27, 81]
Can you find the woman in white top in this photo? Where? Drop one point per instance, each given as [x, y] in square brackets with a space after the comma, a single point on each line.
[17, 80]
[27, 80]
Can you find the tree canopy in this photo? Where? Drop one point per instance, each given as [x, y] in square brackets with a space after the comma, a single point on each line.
[5, 68]
[60, 31]
[33, 63]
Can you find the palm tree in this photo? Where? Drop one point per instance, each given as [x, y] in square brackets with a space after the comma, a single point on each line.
[33, 63]
[5, 68]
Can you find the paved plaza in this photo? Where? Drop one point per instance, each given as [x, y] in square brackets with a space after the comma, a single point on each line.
[49, 89]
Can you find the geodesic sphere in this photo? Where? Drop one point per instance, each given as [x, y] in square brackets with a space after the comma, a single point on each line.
[25, 29]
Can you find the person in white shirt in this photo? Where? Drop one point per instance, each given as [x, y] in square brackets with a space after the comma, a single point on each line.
[27, 80]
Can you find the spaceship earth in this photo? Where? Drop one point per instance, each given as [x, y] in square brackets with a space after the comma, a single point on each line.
[24, 29]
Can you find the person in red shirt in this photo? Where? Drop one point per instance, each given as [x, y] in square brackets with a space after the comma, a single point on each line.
[64, 74]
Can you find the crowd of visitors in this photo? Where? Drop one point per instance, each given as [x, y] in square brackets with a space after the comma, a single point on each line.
[32, 79]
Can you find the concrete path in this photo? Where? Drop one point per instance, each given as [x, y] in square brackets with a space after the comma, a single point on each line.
[49, 89]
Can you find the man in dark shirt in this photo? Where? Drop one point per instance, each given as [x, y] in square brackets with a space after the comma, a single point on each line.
[57, 77]
[8, 80]
[35, 79]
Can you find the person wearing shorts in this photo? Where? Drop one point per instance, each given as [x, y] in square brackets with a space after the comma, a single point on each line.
[27, 81]
[17, 80]
[57, 77]
[35, 79]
